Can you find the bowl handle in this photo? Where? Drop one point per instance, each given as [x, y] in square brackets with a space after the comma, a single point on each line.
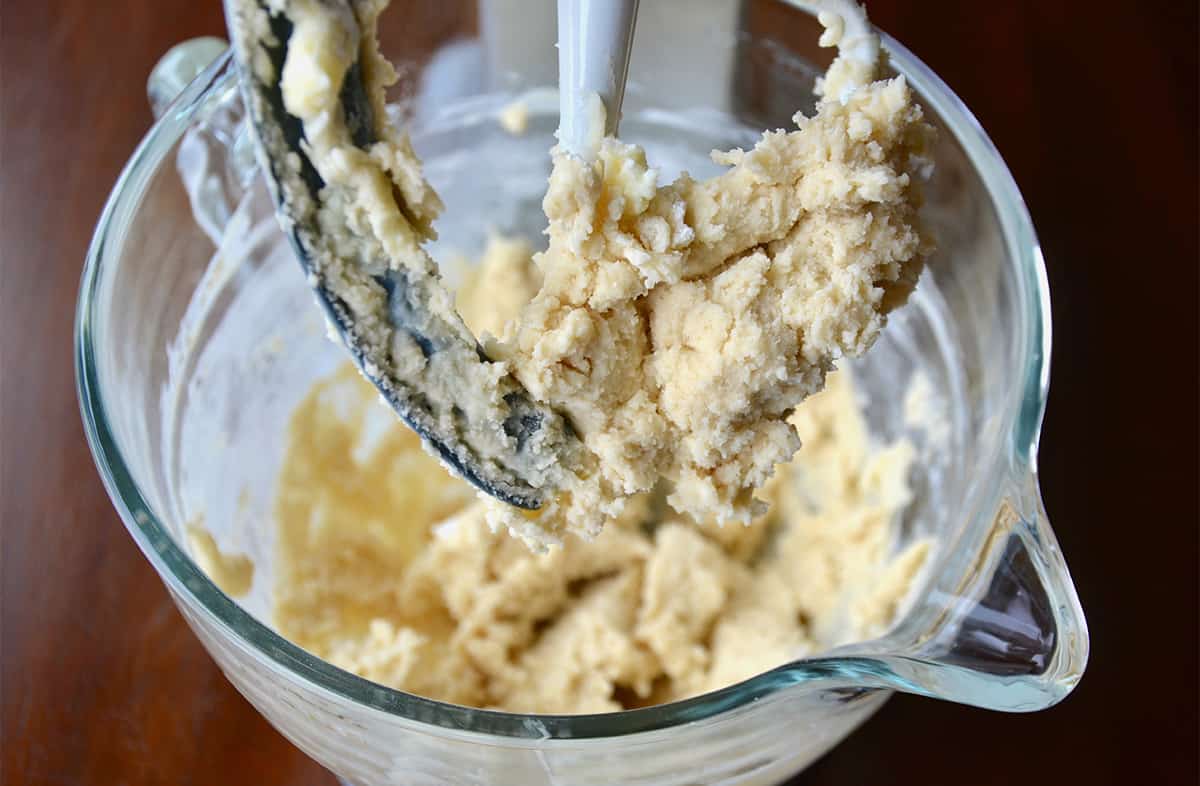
[215, 158]
[178, 67]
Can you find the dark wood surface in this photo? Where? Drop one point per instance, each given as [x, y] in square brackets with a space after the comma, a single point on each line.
[1096, 113]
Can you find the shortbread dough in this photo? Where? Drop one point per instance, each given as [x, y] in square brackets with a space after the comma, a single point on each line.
[387, 566]
[678, 325]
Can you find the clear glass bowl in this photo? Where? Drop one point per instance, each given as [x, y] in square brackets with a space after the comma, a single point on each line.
[189, 361]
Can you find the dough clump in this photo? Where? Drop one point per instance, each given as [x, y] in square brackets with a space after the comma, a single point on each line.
[678, 325]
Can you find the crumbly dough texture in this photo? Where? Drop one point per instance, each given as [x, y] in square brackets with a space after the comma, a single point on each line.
[679, 324]
[407, 585]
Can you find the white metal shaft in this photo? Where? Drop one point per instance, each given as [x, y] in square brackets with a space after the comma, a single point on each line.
[594, 41]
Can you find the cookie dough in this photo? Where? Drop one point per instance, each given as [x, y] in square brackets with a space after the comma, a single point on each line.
[514, 118]
[387, 566]
[678, 325]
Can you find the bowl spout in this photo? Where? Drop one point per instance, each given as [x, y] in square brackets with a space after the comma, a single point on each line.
[1000, 628]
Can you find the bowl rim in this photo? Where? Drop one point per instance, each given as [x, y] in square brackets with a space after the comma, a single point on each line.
[185, 580]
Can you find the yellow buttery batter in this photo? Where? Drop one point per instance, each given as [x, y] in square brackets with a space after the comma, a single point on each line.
[387, 566]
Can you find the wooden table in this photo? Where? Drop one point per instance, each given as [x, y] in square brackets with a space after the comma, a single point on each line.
[1097, 116]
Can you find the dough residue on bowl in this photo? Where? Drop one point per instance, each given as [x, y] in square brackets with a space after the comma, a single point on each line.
[233, 573]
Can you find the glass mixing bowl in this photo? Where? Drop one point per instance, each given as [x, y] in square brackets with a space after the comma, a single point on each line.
[196, 336]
